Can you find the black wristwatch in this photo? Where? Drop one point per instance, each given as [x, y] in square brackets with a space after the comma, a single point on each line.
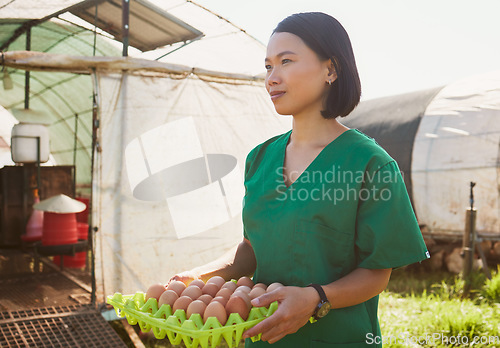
[324, 305]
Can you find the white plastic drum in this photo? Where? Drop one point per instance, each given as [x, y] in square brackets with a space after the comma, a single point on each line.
[24, 143]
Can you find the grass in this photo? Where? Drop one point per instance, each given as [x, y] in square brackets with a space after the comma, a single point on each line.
[432, 322]
[432, 310]
[491, 288]
[422, 309]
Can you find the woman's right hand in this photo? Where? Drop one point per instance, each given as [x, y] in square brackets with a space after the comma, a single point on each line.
[186, 277]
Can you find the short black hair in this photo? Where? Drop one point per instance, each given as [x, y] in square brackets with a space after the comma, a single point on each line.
[329, 40]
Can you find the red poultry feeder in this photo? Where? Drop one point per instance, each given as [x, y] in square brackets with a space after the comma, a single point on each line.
[59, 229]
[84, 215]
[80, 258]
[59, 221]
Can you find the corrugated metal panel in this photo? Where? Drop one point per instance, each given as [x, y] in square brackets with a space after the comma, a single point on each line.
[150, 26]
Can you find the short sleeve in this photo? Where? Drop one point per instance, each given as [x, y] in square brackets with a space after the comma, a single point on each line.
[248, 163]
[387, 231]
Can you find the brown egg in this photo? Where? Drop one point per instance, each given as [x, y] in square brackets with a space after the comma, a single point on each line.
[221, 299]
[225, 292]
[245, 281]
[243, 288]
[274, 286]
[197, 306]
[168, 297]
[256, 292]
[243, 295]
[210, 289]
[182, 303]
[260, 285]
[192, 291]
[216, 309]
[230, 285]
[155, 291]
[177, 286]
[237, 304]
[219, 281]
[205, 298]
[198, 282]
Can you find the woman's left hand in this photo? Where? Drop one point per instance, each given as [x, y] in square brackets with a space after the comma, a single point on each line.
[295, 306]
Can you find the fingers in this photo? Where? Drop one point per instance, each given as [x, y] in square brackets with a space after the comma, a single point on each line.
[253, 331]
[176, 277]
[263, 326]
[285, 320]
[266, 299]
[185, 277]
[273, 328]
[276, 338]
[267, 324]
[182, 278]
[275, 332]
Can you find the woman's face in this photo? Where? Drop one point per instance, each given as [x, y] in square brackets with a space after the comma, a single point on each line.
[296, 78]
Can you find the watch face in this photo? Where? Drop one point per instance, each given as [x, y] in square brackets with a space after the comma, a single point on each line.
[324, 309]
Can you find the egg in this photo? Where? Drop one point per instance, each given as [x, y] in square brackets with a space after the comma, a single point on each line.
[243, 288]
[237, 304]
[206, 298]
[216, 309]
[198, 282]
[177, 286]
[211, 289]
[243, 295]
[274, 286]
[229, 285]
[155, 291]
[217, 280]
[245, 281]
[192, 291]
[182, 302]
[197, 306]
[256, 292]
[260, 285]
[224, 292]
[221, 299]
[168, 297]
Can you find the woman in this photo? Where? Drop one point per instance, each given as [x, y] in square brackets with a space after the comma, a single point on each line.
[326, 212]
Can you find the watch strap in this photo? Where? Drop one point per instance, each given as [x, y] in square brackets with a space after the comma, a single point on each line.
[320, 291]
[323, 306]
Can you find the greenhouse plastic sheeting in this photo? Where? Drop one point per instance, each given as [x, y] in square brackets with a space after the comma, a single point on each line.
[62, 98]
[169, 179]
[457, 142]
[223, 48]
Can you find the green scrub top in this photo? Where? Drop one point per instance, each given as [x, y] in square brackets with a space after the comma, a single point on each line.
[348, 209]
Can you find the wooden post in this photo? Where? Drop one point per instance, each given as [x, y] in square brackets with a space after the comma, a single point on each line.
[468, 246]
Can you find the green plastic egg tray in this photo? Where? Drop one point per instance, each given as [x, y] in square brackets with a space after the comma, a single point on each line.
[193, 332]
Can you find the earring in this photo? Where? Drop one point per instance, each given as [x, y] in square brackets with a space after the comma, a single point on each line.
[330, 82]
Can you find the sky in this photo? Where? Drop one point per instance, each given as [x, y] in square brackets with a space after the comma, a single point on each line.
[400, 45]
